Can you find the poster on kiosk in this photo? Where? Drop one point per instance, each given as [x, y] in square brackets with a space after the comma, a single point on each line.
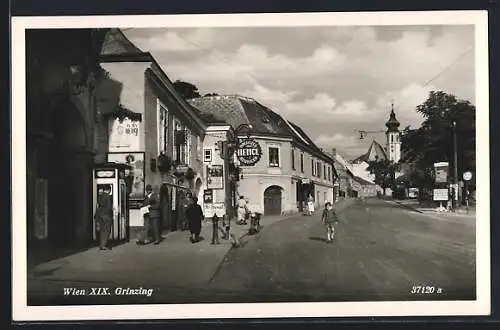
[113, 175]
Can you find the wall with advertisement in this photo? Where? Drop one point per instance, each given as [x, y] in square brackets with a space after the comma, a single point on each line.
[215, 176]
[124, 135]
[136, 161]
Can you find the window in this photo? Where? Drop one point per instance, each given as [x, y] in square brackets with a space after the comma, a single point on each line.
[188, 146]
[302, 163]
[274, 156]
[318, 172]
[293, 159]
[324, 172]
[162, 126]
[207, 155]
[313, 167]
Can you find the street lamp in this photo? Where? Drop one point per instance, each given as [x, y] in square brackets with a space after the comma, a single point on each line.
[228, 150]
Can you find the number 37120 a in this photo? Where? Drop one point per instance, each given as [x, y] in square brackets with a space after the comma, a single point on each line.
[425, 289]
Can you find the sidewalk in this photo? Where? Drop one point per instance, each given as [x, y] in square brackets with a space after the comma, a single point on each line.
[175, 261]
[414, 205]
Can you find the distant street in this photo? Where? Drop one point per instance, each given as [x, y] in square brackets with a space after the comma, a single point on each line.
[381, 252]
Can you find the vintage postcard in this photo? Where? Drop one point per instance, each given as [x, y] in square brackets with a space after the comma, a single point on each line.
[250, 166]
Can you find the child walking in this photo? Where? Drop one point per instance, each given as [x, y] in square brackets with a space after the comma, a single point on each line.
[330, 220]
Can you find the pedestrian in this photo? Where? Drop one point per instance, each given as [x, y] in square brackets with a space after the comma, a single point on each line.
[188, 199]
[215, 229]
[310, 205]
[227, 225]
[195, 215]
[242, 210]
[154, 215]
[104, 216]
[145, 233]
[330, 220]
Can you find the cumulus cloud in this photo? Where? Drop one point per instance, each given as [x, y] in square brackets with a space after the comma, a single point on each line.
[329, 80]
[348, 145]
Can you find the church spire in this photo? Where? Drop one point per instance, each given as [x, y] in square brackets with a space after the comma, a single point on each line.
[392, 124]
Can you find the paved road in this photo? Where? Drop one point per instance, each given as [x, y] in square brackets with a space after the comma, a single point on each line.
[381, 251]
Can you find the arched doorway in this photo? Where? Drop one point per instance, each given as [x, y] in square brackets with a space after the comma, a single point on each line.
[272, 200]
[69, 191]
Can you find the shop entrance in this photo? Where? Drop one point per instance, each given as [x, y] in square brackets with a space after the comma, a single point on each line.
[272, 200]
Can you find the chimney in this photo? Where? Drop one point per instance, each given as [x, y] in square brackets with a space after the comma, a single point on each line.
[334, 151]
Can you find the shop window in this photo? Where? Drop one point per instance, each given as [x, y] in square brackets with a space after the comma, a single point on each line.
[274, 157]
[207, 155]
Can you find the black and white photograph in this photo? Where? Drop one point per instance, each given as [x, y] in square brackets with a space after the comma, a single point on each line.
[242, 166]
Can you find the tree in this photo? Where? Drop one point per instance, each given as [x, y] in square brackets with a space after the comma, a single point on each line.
[186, 90]
[384, 171]
[433, 141]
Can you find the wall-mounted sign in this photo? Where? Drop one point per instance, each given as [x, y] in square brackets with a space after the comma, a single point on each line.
[105, 174]
[440, 194]
[216, 208]
[249, 152]
[123, 135]
[215, 176]
[441, 171]
[136, 161]
[208, 196]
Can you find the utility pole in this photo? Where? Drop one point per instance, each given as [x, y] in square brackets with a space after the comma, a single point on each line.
[455, 165]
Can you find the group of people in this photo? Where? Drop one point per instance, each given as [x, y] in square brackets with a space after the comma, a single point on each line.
[150, 211]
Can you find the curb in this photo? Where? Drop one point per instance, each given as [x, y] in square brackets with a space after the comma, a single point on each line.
[408, 207]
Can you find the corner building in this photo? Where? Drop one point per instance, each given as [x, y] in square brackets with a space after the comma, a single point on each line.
[279, 165]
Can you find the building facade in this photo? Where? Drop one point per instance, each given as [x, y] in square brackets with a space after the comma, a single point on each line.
[149, 126]
[61, 71]
[278, 166]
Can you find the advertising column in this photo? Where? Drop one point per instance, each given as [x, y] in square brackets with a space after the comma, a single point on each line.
[440, 192]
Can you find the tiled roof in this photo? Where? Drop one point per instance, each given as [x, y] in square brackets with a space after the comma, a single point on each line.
[363, 181]
[116, 43]
[375, 151]
[236, 110]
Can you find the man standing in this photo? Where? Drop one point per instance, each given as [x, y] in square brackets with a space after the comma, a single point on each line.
[151, 215]
[104, 216]
[154, 214]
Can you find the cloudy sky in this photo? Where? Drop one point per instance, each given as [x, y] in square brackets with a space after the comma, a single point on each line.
[331, 81]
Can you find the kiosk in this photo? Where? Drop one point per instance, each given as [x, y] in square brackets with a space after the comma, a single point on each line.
[117, 177]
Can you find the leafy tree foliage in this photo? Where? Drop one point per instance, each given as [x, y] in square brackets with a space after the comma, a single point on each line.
[186, 89]
[433, 141]
[384, 171]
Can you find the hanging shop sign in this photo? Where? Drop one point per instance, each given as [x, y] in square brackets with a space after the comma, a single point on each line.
[441, 172]
[215, 177]
[249, 152]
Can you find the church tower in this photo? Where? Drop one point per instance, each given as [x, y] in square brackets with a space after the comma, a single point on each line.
[393, 142]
